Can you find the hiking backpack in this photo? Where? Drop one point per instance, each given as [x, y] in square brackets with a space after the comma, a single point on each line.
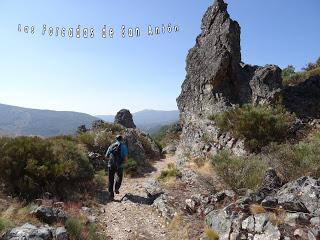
[115, 155]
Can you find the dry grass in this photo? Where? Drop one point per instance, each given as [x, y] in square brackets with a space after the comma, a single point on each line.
[257, 209]
[178, 229]
[211, 234]
[277, 217]
[18, 214]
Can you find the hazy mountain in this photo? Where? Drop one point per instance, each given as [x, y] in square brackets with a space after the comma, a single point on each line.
[149, 120]
[25, 121]
[107, 118]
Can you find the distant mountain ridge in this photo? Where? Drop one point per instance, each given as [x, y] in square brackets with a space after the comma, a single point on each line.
[149, 120]
[17, 121]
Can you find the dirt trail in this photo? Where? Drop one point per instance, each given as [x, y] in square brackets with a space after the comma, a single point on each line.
[131, 216]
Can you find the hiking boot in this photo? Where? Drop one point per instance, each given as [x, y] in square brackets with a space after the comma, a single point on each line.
[111, 197]
[117, 191]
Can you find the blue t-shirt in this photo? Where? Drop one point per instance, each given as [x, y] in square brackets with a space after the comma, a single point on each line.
[124, 150]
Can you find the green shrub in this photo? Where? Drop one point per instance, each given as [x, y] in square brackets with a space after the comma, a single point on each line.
[104, 139]
[165, 135]
[86, 138]
[31, 166]
[100, 180]
[170, 172]
[131, 166]
[74, 228]
[239, 172]
[257, 125]
[4, 225]
[294, 161]
[93, 235]
[113, 127]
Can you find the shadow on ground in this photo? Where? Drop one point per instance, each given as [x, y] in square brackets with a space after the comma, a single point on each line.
[139, 199]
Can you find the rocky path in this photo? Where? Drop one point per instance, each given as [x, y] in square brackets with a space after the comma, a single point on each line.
[131, 215]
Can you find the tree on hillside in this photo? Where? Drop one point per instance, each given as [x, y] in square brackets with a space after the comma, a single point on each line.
[288, 71]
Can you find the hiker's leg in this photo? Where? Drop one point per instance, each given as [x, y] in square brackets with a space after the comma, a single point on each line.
[111, 173]
[119, 179]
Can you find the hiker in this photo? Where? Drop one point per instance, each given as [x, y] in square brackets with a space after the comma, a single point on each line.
[117, 154]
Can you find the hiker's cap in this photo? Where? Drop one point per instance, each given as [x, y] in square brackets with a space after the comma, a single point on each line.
[119, 137]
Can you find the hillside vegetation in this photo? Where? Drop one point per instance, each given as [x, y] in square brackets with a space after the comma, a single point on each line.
[291, 77]
[31, 166]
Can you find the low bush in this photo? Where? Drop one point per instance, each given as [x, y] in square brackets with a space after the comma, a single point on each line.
[290, 77]
[113, 127]
[295, 160]
[4, 225]
[31, 166]
[79, 231]
[131, 167]
[74, 227]
[166, 134]
[87, 138]
[239, 172]
[170, 172]
[257, 125]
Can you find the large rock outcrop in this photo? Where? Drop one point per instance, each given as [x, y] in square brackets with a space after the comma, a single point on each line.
[217, 80]
[124, 118]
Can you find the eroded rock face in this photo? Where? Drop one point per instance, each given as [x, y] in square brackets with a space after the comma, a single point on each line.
[124, 118]
[217, 80]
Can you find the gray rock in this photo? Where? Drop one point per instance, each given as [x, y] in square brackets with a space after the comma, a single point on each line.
[124, 118]
[141, 147]
[314, 233]
[261, 220]
[248, 224]
[153, 188]
[225, 221]
[302, 195]
[160, 204]
[170, 149]
[30, 232]
[271, 183]
[315, 221]
[61, 234]
[91, 219]
[269, 202]
[50, 215]
[293, 219]
[220, 222]
[191, 205]
[269, 232]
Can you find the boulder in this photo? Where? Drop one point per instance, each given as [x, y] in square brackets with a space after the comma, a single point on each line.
[302, 195]
[50, 215]
[225, 222]
[30, 232]
[217, 80]
[153, 188]
[124, 118]
[170, 149]
[61, 234]
[141, 147]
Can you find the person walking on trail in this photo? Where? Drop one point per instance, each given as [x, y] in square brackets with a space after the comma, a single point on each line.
[117, 154]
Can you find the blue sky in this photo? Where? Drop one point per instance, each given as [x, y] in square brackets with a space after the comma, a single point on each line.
[101, 76]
